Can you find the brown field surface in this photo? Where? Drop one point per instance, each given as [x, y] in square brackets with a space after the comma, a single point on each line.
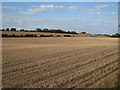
[59, 62]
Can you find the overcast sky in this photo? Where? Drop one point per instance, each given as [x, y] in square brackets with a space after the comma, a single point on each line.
[92, 17]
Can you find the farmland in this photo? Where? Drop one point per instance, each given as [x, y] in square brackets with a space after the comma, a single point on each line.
[37, 33]
[59, 62]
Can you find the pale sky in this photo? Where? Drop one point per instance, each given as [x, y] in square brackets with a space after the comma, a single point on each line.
[92, 17]
[60, 0]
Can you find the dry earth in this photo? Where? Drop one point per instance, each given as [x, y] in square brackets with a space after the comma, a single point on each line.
[58, 62]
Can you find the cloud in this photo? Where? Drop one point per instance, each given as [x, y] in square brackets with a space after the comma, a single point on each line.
[102, 6]
[105, 6]
[43, 8]
[97, 13]
[103, 13]
[74, 7]
[9, 7]
[48, 8]
[32, 23]
[88, 24]
[115, 6]
[55, 8]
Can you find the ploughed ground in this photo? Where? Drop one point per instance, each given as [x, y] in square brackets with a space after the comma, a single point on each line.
[58, 62]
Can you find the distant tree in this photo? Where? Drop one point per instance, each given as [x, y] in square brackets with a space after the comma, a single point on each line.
[54, 31]
[34, 35]
[83, 33]
[7, 29]
[26, 30]
[3, 29]
[45, 30]
[73, 32]
[41, 35]
[69, 32]
[13, 29]
[21, 29]
[4, 35]
[116, 35]
[38, 30]
[51, 30]
[67, 36]
[106, 35]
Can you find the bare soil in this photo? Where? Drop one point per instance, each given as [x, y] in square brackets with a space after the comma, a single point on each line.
[58, 62]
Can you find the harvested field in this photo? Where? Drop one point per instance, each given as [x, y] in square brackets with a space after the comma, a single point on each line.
[58, 62]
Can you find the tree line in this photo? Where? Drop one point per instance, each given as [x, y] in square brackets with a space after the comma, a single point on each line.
[42, 30]
[49, 31]
[116, 35]
[33, 35]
